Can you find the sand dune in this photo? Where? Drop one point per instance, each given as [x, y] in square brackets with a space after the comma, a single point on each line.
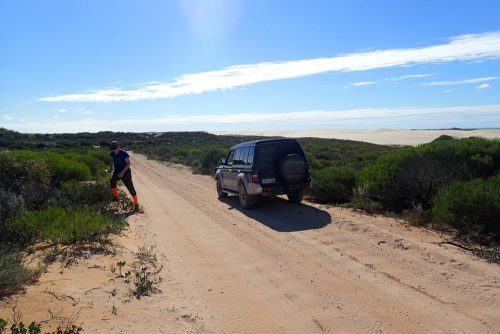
[378, 136]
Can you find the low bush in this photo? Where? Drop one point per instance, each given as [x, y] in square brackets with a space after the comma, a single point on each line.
[11, 205]
[472, 208]
[87, 193]
[97, 160]
[68, 170]
[209, 161]
[58, 225]
[362, 201]
[18, 327]
[12, 272]
[60, 168]
[333, 185]
[413, 176]
[19, 174]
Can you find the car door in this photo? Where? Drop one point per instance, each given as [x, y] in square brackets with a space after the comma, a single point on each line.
[235, 169]
[228, 180]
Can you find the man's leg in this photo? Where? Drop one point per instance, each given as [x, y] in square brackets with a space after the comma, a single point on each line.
[114, 189]
[127, 181]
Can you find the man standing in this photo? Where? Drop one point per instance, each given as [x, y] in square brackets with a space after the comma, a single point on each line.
[122, 171]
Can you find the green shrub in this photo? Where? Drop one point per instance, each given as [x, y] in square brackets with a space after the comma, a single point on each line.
[12, 272]
[67, 170]
[18, 327]
[472, 208]
[361, 200]
[102, 155]
[95, 165]
[59, 168]
[58, 225]
[333, 184]
[209, 161]
[412, 176]
[381, 178]
[96, 160]
[87, 193]
[11, 205]
[18, 173]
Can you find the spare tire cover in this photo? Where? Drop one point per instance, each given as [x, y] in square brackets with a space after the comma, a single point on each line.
[292, 168]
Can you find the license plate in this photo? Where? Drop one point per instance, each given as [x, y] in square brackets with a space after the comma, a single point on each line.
[269, 181]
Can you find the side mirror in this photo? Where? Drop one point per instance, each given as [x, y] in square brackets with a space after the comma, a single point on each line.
[223, 161]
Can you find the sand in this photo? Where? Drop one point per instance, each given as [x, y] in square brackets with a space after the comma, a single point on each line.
[379, 136]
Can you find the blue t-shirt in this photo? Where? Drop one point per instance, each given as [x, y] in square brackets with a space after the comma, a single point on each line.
[119, 161]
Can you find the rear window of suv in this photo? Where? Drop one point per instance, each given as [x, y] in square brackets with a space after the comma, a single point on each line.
[268, 155]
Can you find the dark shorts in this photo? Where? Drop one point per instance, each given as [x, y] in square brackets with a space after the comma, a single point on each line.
[127, 181]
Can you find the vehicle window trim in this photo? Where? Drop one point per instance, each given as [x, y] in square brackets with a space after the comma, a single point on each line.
[228, 162]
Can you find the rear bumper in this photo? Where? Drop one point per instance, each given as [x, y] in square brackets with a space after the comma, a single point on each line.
[271, 190]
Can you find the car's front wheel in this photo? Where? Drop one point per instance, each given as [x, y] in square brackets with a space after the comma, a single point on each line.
[220, 192]
[296, 196]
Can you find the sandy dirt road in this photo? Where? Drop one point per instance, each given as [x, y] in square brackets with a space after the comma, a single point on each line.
[284, 268]
[280, 268]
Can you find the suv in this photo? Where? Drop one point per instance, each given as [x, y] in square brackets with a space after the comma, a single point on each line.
[264, 168]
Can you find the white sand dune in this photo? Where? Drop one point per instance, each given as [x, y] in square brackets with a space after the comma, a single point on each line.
[378, 136]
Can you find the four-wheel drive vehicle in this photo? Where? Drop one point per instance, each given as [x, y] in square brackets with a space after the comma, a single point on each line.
[264, 168]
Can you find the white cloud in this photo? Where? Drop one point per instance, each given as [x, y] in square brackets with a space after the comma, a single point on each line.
[460, 82]
[61, 110]
[404, 77]
[85, 111]
[302, 119]
[365, 83]
[6, 118]
[483, 86]
[461, 48]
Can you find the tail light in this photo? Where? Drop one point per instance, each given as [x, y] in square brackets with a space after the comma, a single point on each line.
[255, 177]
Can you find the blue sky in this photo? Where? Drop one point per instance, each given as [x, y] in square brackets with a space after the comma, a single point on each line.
[88, 65]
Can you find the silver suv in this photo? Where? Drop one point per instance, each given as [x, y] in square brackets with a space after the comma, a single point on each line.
[260, 168]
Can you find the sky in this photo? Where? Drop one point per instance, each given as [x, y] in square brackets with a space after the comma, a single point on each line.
[229, 65]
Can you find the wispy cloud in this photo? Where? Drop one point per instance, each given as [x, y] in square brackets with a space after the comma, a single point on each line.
[483, 86]
[461, 82]
[404, 77]
[461, 48]
[85, 111]
[6, 118]
[313, 118]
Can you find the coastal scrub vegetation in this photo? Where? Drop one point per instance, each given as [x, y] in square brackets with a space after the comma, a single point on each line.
[52, 197]
[449, 183]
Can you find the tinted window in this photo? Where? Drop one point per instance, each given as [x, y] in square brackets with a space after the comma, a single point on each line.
[237, 157]
[269, 155]
[244, 155]
[250, 155]
[230, 158]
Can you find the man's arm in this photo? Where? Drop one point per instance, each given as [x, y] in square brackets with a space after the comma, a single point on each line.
[127, 166]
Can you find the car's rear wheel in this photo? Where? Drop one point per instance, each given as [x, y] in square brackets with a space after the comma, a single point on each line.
[220, 192]
[296, 196]
[246, 201]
